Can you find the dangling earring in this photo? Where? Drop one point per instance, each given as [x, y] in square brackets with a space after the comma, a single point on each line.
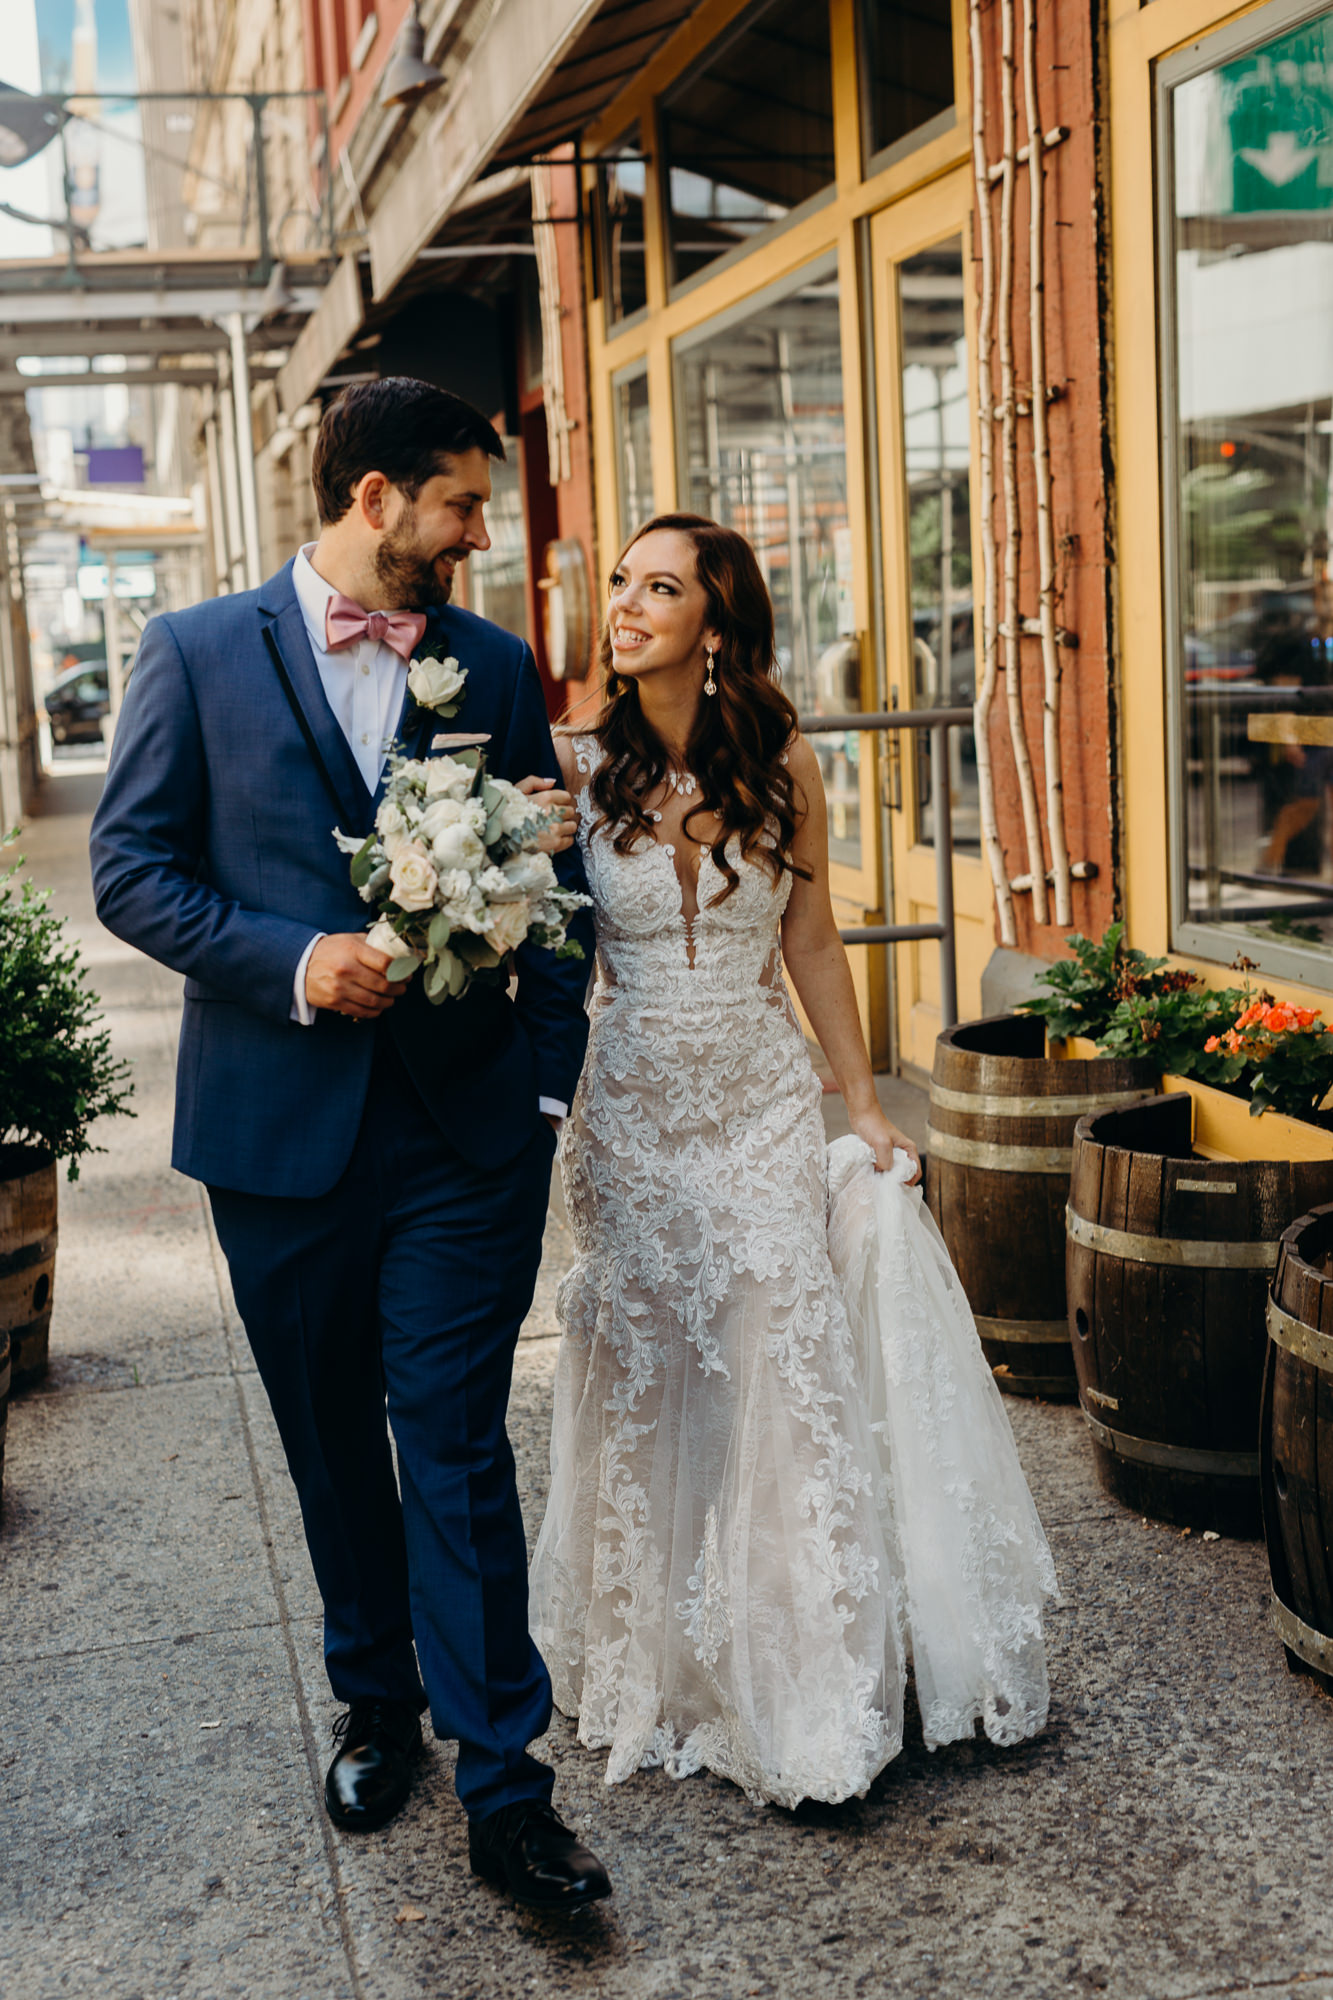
[710, 685]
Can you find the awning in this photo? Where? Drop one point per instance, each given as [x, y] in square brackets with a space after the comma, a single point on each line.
[540, 72]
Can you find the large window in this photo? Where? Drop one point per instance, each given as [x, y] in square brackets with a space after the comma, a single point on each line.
[907, 68]
[634, 448]
[748, 135]
[1250, 234]
[937, 460]
[759, 396]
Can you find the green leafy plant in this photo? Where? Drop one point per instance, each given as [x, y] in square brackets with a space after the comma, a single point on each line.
[1089, 991]
[1289, 1052]
[57, 1072]
[1173, 1027]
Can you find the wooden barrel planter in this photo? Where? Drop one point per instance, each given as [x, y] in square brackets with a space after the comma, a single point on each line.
[1296, 1441]
[1169, 1258]
[27, 1259]
[999, 1149]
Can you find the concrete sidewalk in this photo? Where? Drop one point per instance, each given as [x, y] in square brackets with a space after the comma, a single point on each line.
[166, 1716]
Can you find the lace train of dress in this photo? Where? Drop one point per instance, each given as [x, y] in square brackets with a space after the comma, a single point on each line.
[780, 1467]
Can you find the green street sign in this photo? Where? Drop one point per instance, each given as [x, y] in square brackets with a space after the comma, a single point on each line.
[1277, 115]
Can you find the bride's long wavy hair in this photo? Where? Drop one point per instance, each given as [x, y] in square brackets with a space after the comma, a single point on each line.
[736, 749]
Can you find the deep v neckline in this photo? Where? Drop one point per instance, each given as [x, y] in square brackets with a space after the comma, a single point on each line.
[687, 919]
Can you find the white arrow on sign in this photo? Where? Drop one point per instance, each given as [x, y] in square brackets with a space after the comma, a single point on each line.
[1281, 160]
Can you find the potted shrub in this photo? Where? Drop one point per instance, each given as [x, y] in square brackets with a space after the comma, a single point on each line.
[57, 1076]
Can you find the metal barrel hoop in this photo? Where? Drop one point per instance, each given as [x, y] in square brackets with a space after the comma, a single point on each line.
[1191, 1253]
[1172, 1457]
[1315, 1648]
[999, 1159]
[1306, 1342]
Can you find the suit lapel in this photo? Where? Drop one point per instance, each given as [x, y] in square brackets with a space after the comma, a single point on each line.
[294, 664]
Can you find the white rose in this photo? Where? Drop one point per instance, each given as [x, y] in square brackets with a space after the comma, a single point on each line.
[530, 873]
[507, 926]
[412, 878]
[434, 683]
[389, 818]
[457, 846]
[383, 937]
[445, 776]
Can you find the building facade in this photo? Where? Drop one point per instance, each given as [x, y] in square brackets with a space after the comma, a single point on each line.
[956, 313]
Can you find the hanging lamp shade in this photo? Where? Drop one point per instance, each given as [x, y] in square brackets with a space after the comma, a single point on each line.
[409, 77]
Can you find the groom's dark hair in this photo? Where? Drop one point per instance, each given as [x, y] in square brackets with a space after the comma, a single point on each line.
[406, 429]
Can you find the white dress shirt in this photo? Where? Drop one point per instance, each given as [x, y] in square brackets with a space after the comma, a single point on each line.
[364, 684]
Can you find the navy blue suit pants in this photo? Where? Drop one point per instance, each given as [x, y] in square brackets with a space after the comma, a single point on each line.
[409, 1281]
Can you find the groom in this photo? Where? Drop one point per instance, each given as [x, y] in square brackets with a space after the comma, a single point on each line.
[378, 1167]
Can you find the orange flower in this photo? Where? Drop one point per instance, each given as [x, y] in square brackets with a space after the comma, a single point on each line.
[1278, 1019]
[1307, 1016]
[1210, 1046]
[1252, 1014]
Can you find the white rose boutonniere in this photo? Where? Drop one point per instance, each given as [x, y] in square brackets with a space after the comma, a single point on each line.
[437, 684]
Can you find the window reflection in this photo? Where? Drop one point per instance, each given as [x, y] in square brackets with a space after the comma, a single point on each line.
[937, 455]
[748, 136]
[497, 577]
[765, 453]
[907, 55]
[621, 182]
[635, 449]
[1253, 257]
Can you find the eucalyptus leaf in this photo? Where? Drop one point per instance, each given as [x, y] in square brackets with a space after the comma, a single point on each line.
[363, 867]
[440, 932]
[400, 969]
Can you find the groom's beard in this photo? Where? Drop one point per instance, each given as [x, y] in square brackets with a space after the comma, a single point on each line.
[410, 579]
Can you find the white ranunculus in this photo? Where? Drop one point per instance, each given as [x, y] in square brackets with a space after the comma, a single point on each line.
[507, 925]
[447, 778]
[457, 846]
[532, 873]
[412, 877]
[435, 683]
[383, 937]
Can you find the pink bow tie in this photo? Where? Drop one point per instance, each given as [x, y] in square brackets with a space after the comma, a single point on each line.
[346, 622]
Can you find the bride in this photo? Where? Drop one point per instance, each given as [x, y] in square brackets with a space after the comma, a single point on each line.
[780, 1467]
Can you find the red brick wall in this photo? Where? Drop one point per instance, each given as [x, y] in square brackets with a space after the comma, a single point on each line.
[1069, 89]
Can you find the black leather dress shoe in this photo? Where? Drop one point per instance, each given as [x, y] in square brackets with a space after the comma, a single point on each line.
[527, 1849]
[371, 1776]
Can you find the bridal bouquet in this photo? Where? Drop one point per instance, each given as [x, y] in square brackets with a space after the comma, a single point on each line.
[455, 873]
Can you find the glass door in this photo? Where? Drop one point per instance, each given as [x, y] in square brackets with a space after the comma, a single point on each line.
[923, 323]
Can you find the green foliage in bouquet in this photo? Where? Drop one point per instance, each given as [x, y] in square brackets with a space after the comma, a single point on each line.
[57, 1072]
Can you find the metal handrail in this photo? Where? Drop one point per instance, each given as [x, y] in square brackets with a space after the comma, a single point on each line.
[939, 721]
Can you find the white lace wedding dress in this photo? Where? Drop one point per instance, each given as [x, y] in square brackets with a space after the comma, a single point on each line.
[780, 1466]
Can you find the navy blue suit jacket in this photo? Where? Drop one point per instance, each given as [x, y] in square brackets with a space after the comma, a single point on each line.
[212, 851]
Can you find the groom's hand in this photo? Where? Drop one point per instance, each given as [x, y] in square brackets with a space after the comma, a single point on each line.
[346, 975]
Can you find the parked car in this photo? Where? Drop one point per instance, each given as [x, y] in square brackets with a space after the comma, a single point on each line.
[77, 703]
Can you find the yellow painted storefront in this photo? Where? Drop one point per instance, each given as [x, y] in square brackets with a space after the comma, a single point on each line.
[877, 214]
